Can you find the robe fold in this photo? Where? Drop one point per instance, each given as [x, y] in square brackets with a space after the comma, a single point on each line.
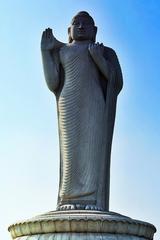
[86, 104]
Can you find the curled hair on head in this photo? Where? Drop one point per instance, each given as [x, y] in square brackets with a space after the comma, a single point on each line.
[83, 14]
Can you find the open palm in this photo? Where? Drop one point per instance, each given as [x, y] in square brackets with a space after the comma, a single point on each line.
[47, 40]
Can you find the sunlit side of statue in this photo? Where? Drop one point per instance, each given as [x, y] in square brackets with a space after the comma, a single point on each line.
[86, 79]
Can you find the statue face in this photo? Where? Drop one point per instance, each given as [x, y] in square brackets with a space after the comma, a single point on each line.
[82, 29]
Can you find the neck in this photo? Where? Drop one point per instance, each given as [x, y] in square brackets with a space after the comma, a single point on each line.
[81, 41]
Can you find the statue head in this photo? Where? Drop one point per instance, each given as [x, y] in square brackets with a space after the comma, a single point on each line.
[82, 28]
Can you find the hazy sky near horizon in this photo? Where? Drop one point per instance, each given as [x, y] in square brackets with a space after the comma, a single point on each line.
[29, 150]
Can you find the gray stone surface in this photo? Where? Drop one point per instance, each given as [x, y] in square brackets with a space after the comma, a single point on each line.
[82, 225]
[81, 236]
[86, 78]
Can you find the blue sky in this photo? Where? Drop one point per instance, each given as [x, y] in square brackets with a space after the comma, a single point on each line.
[29, 137]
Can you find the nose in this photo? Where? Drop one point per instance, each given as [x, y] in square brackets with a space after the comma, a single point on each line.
[81, 25]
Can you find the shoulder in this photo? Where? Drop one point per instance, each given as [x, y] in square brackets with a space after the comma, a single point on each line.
[111, 56]
[109, 49]
[109, 52]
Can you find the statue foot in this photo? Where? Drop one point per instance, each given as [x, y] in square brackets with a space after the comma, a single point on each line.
[66, 207]
[93, 207]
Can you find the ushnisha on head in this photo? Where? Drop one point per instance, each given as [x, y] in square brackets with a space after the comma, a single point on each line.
[82, 28]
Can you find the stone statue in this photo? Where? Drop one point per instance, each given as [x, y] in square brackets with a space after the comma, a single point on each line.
[86, 79]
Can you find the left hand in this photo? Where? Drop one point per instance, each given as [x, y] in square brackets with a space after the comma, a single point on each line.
[48, 41]
[96, 50]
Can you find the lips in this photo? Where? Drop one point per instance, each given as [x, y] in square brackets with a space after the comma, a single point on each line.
[81, 32]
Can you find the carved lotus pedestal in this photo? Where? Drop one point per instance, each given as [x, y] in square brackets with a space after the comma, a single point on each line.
[85, 225]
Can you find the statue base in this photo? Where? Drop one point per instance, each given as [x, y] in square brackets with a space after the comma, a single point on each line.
[84, 225]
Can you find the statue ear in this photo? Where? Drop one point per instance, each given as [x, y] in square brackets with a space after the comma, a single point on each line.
[95, 32]
[69, 29]
[69, 35]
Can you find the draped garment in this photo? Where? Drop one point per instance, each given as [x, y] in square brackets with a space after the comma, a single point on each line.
[82, 116]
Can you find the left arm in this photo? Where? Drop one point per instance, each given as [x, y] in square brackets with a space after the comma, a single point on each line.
[108, 64]
[105, 67]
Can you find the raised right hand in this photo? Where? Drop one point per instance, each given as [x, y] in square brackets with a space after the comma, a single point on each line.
[47, 40]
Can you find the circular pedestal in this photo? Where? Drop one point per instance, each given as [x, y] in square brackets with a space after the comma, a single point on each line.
[84, 225]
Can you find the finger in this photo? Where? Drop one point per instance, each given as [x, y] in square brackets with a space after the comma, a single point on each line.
[49, 30]
[51, 34]
[43, 35]
[102, 46]
[90, 46]
[48, 33]
[102, 49]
